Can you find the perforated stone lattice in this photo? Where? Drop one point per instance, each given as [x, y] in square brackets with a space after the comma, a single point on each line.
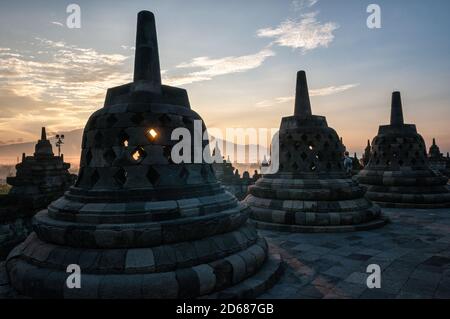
[311, 192]
[310, 151]
[398, 173]
[108, 145]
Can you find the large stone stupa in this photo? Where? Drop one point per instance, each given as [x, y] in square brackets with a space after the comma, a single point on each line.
[398, 174]
[311, 192]
[137, 224]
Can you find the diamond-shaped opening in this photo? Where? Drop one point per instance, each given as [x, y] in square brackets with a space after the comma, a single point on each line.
[375, 155]
[288, 155]
[94, 178]
[328, 165]
[295, 166]
[400, 162]
[137, 118]
[151, 134]
[98, 139]
[153, 176]
[109, 156]
[138, 154]
[304, 156]
[297, 145]
[289, 137]
[164, 119]
[123, 138]
[184, 174]
[167, 153]
[111, 120]
[120, 177]
[88, 157]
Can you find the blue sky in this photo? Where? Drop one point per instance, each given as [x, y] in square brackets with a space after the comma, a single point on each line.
[238, 60]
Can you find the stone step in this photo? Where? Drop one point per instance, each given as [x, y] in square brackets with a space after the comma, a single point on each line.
[320, 229]
[252, 287]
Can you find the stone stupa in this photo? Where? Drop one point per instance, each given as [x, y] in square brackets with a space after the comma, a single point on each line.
[39, 180]
[437, 161]
[137, 224]
[398, 173]
[311, 191]
[42, 177]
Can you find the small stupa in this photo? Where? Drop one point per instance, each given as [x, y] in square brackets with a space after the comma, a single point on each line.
[311, 191]
[437, 161]
[398, 173]
[137, 224]
[42, 177]
[366, 155]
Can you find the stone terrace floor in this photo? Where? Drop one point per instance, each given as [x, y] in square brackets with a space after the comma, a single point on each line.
[413, 252]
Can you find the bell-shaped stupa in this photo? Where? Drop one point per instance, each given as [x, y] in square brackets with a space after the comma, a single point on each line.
[42, 177]
[137, 224]
[398, 173]
[311, 191]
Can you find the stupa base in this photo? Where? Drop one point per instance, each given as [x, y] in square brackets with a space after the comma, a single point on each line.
[419, 201]
[254, 286]
[320, 229]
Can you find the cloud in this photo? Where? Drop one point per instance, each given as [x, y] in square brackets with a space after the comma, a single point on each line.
[210, 68]
[57, 23]
[305, 33]
[314, 92]
[59, 85]
[299, 5]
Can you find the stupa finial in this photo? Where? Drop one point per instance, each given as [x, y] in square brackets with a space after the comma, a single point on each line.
[146, 64]
[396, 109]
[434, 141]
[43, 134]
[302, 103]
[368, 143]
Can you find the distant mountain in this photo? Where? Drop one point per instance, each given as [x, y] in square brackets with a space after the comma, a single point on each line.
[71, 149]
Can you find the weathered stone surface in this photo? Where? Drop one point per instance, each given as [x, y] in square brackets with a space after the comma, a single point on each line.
[137, 224]
[398, 173]
[311, 191]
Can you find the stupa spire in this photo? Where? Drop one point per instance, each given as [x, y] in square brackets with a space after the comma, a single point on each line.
[396, 109]
[43, 134]
[146, 64]
[302, 103]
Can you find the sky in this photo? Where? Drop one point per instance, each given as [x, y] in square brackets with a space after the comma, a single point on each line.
[238, 60]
